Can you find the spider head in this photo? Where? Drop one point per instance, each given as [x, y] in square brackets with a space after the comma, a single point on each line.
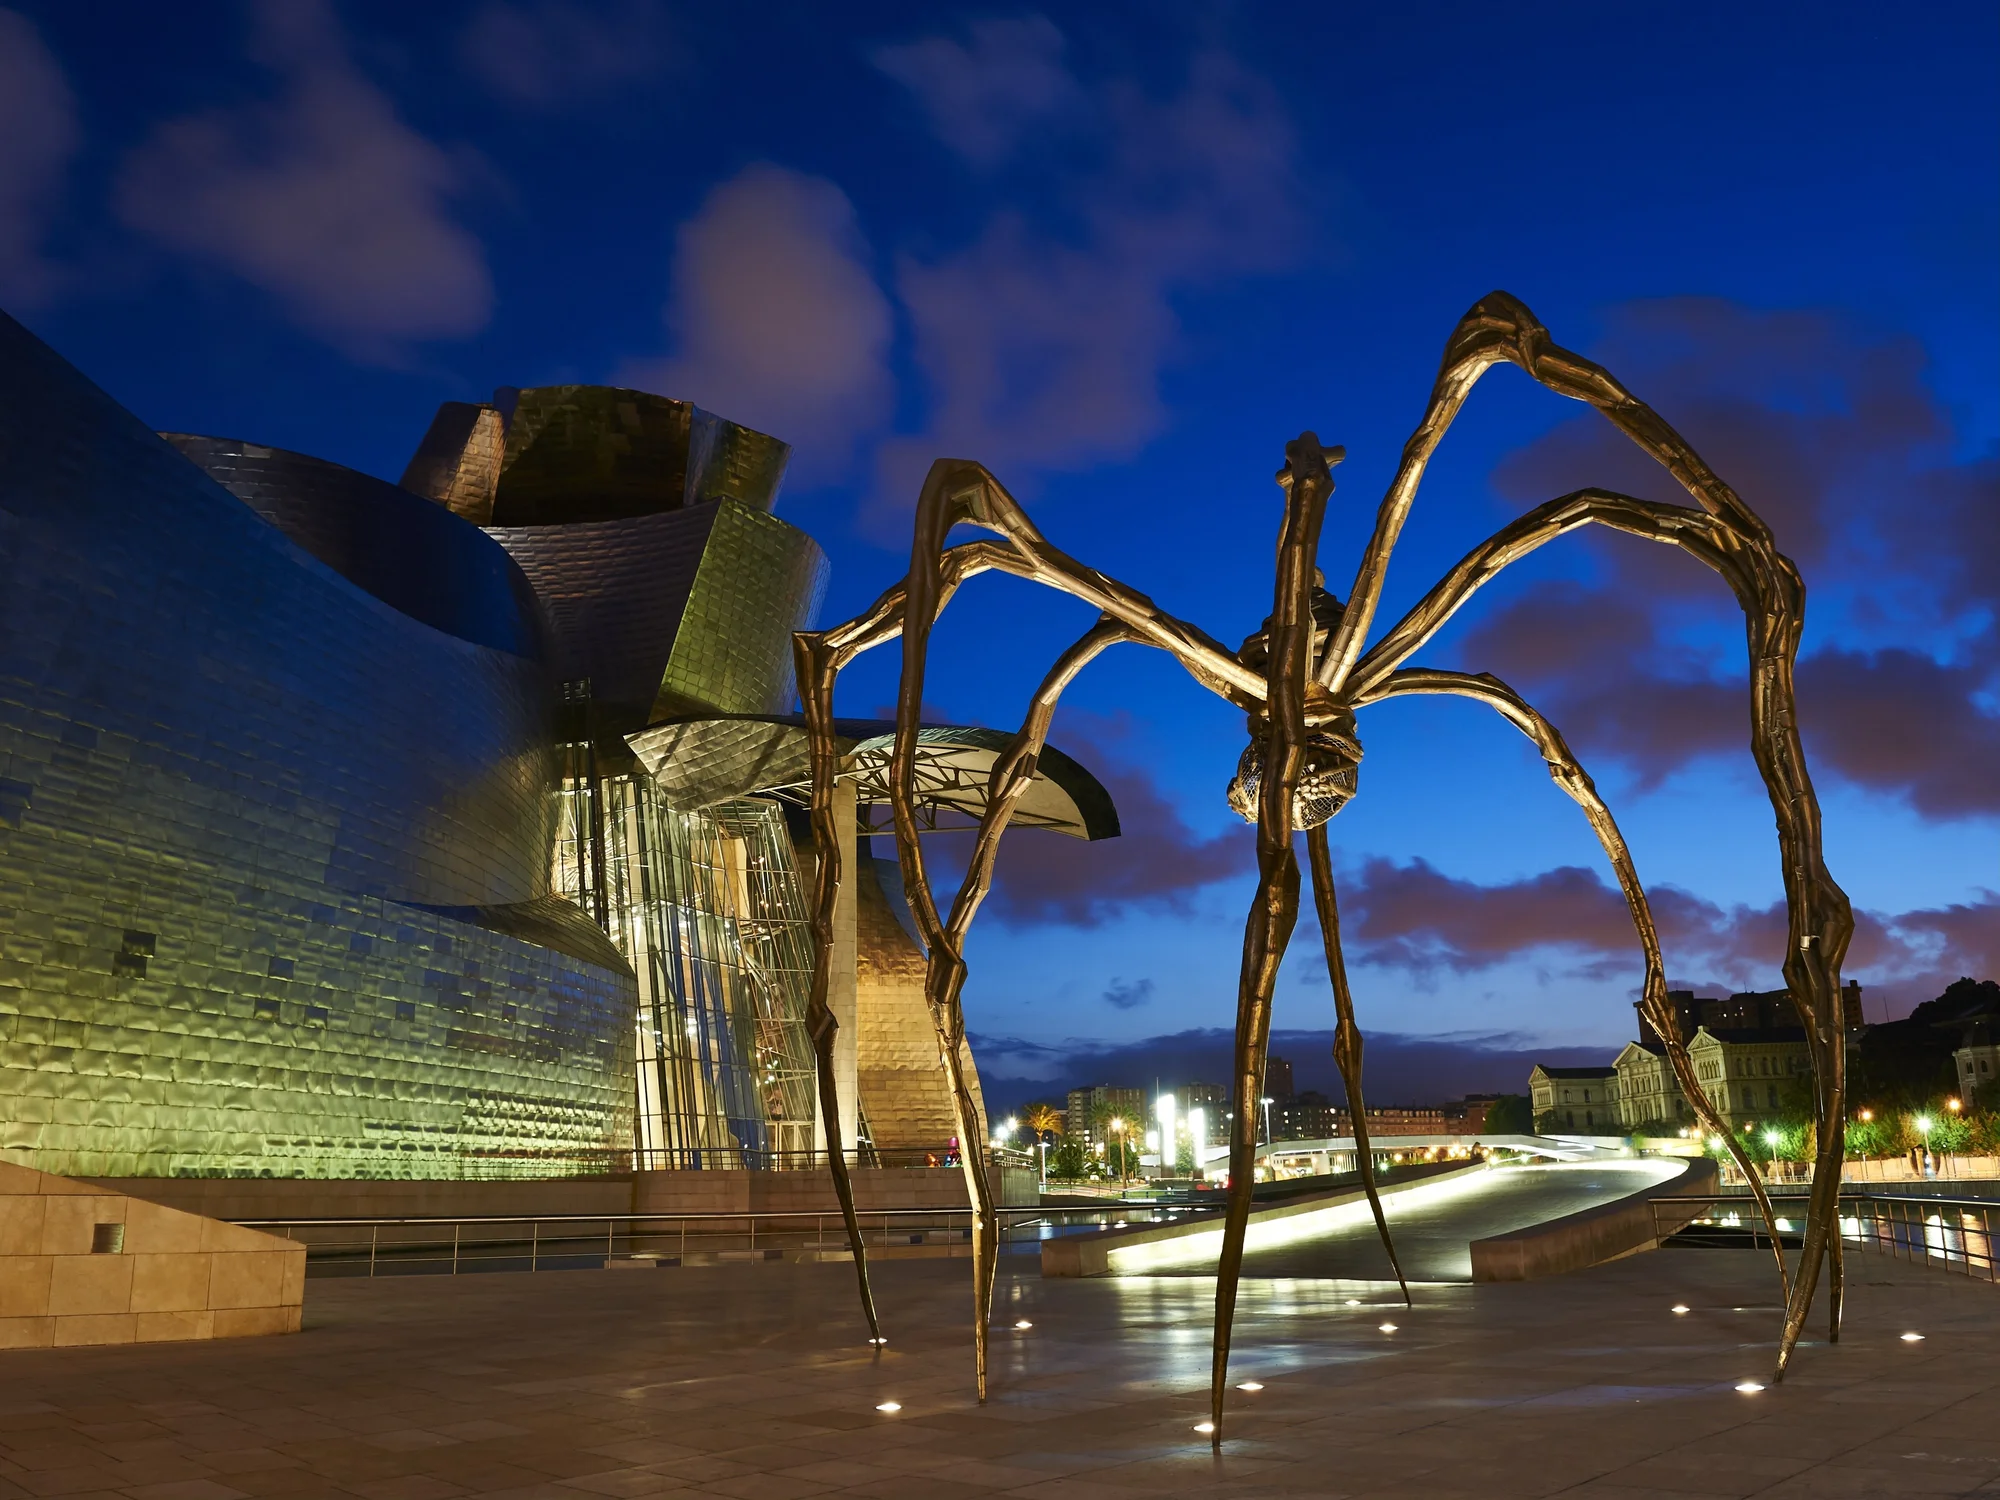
[1328, 775]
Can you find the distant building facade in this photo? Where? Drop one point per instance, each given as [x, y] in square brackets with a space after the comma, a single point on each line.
[1648, 1093]
[1089, 1107]
[1978, 1057]
[1578, 1099]
[1751, 1074]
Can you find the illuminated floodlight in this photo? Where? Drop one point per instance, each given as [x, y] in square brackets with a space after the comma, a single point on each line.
[1715, 1143]
[1388, 1327]
[1204, 1427]
[1913, 1338]
[1953, 1105]
[1771, 1139]
[1024, 1323]
[1749, 1387]
[890, 1406]
[1680, 1307]
[1923, 1123]
[1251, 1385]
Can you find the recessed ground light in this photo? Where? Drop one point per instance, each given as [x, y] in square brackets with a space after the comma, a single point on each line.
[1353, 1301]
[1251, 1385]
[1680, 1307]
[1749, 1387]
[890, 1406]
[1388, 1327]
[1204, 1427]
[1024, 1323]
[1913, 1338]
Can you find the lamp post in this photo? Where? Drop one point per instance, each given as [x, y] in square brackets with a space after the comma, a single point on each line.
[1266, 1102]
[1923, 1124]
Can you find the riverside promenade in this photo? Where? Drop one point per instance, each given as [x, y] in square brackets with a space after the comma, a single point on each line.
[753, 1382]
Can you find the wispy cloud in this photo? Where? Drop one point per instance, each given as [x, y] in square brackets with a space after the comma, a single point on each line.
[320, 195]
[39, 135]
[1834, 435]
[1412, 917]
[550, 54]
[1120, 995]
[777, 319]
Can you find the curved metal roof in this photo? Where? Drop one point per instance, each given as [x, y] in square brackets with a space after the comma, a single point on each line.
[700, 762]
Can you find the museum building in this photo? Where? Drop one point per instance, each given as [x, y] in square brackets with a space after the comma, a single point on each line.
[449, 828]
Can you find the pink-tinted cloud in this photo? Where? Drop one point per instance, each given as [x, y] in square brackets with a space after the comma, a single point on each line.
[1042, 344]
[778, 321]
[1157, 863]
[39, 136]
[1836, 439]
[1414, 917]
[322, 196]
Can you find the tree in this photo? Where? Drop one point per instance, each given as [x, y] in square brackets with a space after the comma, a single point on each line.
[1043, 1118]
[1510, 1114]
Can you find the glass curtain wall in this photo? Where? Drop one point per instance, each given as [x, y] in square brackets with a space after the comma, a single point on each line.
[709, 909]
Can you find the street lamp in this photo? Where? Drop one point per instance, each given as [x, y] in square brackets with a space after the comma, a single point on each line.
[1266, 1102]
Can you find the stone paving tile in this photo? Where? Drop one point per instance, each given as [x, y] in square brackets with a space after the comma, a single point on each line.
[751, 1383]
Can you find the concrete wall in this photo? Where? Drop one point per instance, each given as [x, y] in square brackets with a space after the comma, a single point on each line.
[805, 1192]
[302, 1198]
[1592, 1236]
[79, 1265]
[641, 1192]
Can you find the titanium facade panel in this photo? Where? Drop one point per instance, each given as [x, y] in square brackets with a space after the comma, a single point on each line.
[264, 843]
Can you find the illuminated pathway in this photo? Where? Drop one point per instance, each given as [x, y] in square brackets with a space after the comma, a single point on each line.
[1434, 1227]
[753, 1382]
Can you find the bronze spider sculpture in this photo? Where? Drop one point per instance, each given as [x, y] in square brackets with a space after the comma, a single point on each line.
[1301, 681]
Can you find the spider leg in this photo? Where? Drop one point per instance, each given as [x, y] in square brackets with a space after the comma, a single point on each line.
[958, 492]
[1347, 1038]
[1575, 782]
[1740, 546]
[1268, 929]
[816, 671]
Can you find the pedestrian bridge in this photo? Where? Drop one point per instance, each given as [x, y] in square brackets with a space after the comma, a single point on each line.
[1435, 1221]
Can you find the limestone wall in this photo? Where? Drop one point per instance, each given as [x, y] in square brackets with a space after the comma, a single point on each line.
[901, 1078]
[83, 1265]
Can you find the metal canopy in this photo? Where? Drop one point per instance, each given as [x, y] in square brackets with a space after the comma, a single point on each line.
[700, 762]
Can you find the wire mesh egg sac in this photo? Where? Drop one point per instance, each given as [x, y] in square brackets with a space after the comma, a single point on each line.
[1327, 779]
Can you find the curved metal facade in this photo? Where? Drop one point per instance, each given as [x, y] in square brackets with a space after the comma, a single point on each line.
[270, 842]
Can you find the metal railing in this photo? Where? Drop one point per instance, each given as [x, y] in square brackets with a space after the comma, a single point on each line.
[1953, 1234]
[444, 1245]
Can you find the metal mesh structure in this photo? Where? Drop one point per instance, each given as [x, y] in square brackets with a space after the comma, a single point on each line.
[709, 908]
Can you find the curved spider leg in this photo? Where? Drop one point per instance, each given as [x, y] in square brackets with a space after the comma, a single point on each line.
[1820, 917]
[960, 492]
[944, 975]
[813, 661]
[1569, 774]
[1768, 588]
[1268, 929]
[1347, 1038]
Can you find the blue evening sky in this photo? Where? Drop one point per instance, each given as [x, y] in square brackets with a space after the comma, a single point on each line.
[1122, 253]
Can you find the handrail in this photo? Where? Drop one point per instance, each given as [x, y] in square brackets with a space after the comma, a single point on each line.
[721, 1213]
[1901, 1225]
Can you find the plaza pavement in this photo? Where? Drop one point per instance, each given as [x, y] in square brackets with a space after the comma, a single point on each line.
[751, 1381]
